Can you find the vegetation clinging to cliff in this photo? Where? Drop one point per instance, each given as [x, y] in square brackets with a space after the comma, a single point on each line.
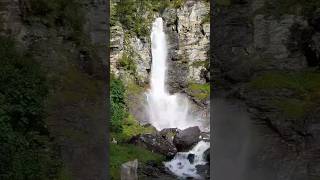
[281, 7]
[26, 150]
[53, 13]
[137, 15]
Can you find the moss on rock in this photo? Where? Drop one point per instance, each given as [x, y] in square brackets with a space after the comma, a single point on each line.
[199, 91]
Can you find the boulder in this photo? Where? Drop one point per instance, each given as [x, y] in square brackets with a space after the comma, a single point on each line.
[155, 143]
[191, 158]
[129, 170]
[169, 133]
[152, 170]
[186, 138]
[204, 171]
[206, 155]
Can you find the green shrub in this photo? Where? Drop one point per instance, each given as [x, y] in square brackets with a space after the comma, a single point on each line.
[26, 151]
[127, 62]
[118, 107]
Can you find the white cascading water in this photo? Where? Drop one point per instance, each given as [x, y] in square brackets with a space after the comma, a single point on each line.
[182, 167]
[171, 111]
[165, 110]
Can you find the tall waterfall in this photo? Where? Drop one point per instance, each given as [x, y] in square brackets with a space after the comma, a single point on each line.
[171, 111]
[165, 110]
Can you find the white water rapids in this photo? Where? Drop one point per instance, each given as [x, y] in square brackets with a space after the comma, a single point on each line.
[170, 111]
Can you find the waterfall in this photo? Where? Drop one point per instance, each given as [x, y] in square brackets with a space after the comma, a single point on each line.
[165, 110]
[171, 111]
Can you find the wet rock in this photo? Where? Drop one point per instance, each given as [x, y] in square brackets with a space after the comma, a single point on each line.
[129, 170]
[205, 136]
[191, 158]
[204, 171]
[155, 143]
[186, 138]
[169, 133]
[154, 170]
[206, 155]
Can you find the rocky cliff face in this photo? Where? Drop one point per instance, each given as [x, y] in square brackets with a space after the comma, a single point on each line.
[188, 44]
[187, 28]
[260, 48]
[75, 73]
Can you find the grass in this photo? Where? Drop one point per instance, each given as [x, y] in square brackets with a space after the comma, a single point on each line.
[199, 91]
[292, 108]
[130, 128]
[121, 153]
[305, 85]
[133, 88]
[299, 82]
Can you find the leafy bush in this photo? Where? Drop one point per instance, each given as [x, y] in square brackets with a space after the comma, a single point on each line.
[26, 151]
[127, 62]
[130, 14]
[118, 107]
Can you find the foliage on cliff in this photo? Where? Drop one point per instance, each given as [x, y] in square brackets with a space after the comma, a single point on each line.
[281, 7]
[118, 107]
[137, 15]
[304, 87]
[26, 149]
[123, 127]
[55, 13]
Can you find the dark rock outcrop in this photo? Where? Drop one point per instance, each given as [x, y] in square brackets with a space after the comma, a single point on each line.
[206, 155]
[190, 157]
[155, 143]
[153, 171]
[186, 138]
